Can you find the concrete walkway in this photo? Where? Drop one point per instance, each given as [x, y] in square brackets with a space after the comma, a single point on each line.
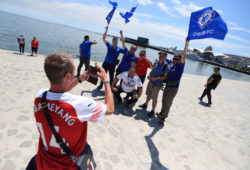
[194, 136]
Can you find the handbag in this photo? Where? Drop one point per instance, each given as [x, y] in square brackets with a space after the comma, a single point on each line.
[86, 160]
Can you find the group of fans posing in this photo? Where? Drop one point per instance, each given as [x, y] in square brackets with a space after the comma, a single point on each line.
[132, 71]
[62, 118]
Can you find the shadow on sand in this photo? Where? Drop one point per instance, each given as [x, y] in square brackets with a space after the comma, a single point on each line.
[156, 164]
[204, 104]
[141, 114]
[95, 93]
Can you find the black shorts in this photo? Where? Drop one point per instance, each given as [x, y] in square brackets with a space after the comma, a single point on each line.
[34, 50]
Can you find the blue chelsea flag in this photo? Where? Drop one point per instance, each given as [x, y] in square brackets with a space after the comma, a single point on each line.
[111, 13]
[206, 23]
[128, 15]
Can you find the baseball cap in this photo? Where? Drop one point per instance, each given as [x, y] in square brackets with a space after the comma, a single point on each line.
[162, 52]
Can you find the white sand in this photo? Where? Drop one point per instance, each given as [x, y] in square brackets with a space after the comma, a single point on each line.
[194, 136]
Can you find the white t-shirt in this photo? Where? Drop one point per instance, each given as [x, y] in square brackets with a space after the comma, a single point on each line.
[128, 83]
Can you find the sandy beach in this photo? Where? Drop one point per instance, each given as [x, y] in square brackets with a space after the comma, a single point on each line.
[194, 137]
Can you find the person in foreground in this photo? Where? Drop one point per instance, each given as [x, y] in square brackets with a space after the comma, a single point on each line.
[85, 53]
[113, 52]
[69, 113]
[129, 81]
[175, 72]
[212, 82]
[156, 78]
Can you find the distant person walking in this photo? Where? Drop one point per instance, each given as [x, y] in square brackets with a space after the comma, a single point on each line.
[85, 53]
[142, 65]
[21, 42]
[129, 58]
[212, 82]
[113, 52]
[156, 77]
[34, 46]
[172, 83]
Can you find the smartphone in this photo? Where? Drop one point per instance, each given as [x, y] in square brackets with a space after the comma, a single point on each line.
[93, 70]
[93, 75]
[92, 79]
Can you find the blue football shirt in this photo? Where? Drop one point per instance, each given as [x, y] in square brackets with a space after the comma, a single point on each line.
[86, 48]
[127, 59]
[175, 73]
[112, 53]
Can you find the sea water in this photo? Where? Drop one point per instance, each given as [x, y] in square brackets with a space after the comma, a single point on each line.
[56, 37]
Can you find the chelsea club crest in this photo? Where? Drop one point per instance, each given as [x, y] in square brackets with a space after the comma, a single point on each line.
[206, 18]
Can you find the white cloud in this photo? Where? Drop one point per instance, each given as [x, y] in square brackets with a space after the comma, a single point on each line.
[144, 2]
[165, 8]
[95, 15]
[176, 2]
[238, 38]
[186, 9]
[234, 26]
[238, 28]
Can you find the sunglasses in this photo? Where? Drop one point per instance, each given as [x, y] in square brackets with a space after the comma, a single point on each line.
[115, 41]
[176, 59]
[141, 54]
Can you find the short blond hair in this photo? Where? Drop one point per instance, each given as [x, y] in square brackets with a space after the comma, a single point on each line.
[56, 66]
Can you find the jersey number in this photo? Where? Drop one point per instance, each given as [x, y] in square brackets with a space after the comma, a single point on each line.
[52, 142]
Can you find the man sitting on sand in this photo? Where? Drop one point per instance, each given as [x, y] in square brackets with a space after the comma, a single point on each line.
[156, 78]
[129, 81]
[129, 58]
[212, 83]
[143, 63]
[113, 52]
[85, 53]
[69, 113]
[172, 83]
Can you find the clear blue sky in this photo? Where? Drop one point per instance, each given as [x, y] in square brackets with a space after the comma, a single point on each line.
[164, 22]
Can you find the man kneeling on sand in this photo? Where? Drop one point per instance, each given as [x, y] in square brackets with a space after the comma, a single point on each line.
[129, 81]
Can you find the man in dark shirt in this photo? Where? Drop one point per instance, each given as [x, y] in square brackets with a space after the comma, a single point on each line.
[212, 83]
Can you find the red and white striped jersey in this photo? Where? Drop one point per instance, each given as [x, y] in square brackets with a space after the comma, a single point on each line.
[69, 114]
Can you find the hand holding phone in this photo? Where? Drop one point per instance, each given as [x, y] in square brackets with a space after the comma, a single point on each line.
[101, 73]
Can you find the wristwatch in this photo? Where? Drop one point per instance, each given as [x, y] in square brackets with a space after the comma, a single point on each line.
[106, 81]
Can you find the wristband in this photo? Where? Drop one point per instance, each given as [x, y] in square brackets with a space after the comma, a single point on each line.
[106, 81]
[80, 81]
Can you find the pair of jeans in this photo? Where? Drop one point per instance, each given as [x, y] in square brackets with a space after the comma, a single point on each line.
[83, 60]
[111, 69]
